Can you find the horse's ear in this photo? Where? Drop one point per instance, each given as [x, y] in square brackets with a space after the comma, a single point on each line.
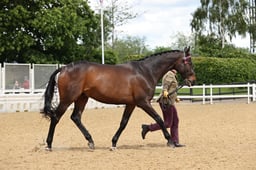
[187, 49]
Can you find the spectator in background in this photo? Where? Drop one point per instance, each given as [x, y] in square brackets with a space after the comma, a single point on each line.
[25, 84]
[16, 84]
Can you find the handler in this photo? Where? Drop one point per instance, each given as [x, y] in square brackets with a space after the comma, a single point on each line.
[167, 104]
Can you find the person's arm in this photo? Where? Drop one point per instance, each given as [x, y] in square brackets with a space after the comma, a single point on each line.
[168, 81]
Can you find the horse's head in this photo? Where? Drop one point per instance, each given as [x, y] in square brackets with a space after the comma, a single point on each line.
[185, 67]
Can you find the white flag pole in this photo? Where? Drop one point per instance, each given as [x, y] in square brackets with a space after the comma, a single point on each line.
[102, 30]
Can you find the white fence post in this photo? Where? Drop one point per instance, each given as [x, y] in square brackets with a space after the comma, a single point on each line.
[3, 79]
[248, 93]
[32, 79]
[253, 92]
[211, 96]
[204, 94]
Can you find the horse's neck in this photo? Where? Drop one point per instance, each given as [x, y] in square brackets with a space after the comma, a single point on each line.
[157, 66]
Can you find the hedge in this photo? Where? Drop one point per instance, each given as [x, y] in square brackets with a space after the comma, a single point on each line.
[211, 70]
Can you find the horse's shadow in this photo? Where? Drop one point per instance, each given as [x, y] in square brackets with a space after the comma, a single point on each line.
[121, 147]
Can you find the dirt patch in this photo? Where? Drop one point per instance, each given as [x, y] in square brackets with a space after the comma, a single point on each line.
[218, 136]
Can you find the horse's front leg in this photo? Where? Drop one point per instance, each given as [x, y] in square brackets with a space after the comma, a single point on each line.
[126, 116]
[152, 113]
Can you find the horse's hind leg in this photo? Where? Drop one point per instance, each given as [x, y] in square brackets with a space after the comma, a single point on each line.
[54, 121]
[126, 116]
[76, 117]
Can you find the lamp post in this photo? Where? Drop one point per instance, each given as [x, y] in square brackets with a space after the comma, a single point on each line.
[102, 31]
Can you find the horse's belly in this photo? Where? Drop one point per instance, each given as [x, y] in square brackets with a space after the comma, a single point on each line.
[113, 99]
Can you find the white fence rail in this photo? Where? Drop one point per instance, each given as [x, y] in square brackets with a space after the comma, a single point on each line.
[250, 92]
[24, 101]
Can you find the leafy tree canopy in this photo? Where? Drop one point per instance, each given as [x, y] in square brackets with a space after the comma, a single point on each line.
[223, 18]
[47, 31]
[129, 48]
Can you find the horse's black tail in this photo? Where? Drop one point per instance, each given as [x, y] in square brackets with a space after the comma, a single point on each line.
[48, 95]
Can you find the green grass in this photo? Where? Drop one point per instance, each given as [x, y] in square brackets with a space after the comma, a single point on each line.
[197, 91]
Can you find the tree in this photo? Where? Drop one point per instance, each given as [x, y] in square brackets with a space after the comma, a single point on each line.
[222, 18]
[118, 13]
[182, 41]
[130, 46]
[47, 31]
[110, 57]
[159, 49]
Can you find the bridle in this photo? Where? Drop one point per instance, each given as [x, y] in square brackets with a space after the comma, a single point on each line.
[185, 58]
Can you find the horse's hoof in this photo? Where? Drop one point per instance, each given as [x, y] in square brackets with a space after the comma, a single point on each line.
[112, 148]
[48, 149]
[91, 146]
[171, 145]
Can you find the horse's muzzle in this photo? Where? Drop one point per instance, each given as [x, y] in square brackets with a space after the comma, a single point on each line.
[189, 83]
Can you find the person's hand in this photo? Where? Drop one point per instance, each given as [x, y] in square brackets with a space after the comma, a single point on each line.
[177, 100]
[165, 94]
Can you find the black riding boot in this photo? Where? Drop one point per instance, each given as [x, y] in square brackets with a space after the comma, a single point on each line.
[144, 131]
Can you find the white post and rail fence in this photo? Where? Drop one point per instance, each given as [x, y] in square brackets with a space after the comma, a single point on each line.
[247, 91]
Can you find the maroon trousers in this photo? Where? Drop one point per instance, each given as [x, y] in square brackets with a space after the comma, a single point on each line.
[171, 121]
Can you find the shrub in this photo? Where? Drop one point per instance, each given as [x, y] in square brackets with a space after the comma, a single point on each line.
[212, 70]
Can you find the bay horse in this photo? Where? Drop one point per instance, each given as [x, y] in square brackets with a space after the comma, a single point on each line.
[132, 83]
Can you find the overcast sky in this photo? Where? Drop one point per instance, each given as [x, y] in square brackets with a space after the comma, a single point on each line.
[160, 20]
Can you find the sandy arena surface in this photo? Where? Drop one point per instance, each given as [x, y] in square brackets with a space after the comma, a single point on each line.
[218, 136]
